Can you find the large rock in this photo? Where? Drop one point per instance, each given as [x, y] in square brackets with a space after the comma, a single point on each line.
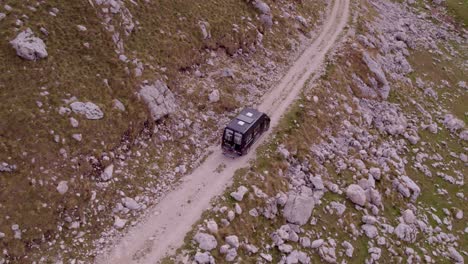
[206, 241]
[381, 85]
[453, 254]
[407, 187]
[298, 209]
[130, 203]
[452, 123]
[159, 99]
[405, 232]
[356, 194]
[239, 194]
[88, 109]
[203, 258]
[28, 46]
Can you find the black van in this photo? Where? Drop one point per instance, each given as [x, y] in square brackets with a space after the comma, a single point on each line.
[242, 132]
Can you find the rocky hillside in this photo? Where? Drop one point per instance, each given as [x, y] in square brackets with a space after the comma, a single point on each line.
[369, 165]
[106, 103]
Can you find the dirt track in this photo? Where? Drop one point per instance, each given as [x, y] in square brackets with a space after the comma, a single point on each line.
[169, 221]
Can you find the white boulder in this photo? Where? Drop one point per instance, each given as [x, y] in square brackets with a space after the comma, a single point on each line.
[298, 209]
[239, 194]
[356, 194]
[88, 109]
[28, 46]
[206, 241]
[159, 99]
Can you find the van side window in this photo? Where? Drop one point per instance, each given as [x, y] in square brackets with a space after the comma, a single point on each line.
[228, 135]
[238, 138]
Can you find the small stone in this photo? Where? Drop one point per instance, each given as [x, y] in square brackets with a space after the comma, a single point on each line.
[81, 28]
[214, 96]
[74, 122]
[118, 105]
[119, 223]
[212, 226]
[107, 173]
[131, 204]
[77, 137]
[62, 187]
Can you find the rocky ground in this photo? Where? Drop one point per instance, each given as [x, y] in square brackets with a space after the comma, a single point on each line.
[102, 114]
[369, 165]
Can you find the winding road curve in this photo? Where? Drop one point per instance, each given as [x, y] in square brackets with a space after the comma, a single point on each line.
[165, 227]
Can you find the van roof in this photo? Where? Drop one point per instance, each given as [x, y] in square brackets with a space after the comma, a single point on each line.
[246, 118]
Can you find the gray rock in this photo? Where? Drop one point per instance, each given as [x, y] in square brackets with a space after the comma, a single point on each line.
[266, 257]
[74, 122]
[62, 187]
[285, 248]
[349, 249]
[118, 105]
[77, 137]
[375, 172]
[107, 173]
[381, 86]
[212, 226]
[251, 248]
[338, 207]
[452, 123]
[203, 258]
[206, 241]
[375, 253]
[298, 209]
[453, 254]
[5, 167]
[317, 182]
[409, 217]
[205, 29]
[368, 219]
[233, 241]
[130, 203]
[370, 230]
[302, 20]
[317, 243]
[305, 242]
[262, 7]
[88, 109]
[119, 223]
[239, 194]
[214, 96]
[406, 232]
[28, 46]
[407, 187]
[2, 16]
[159, 99]
[231, 254]
[356, 194]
